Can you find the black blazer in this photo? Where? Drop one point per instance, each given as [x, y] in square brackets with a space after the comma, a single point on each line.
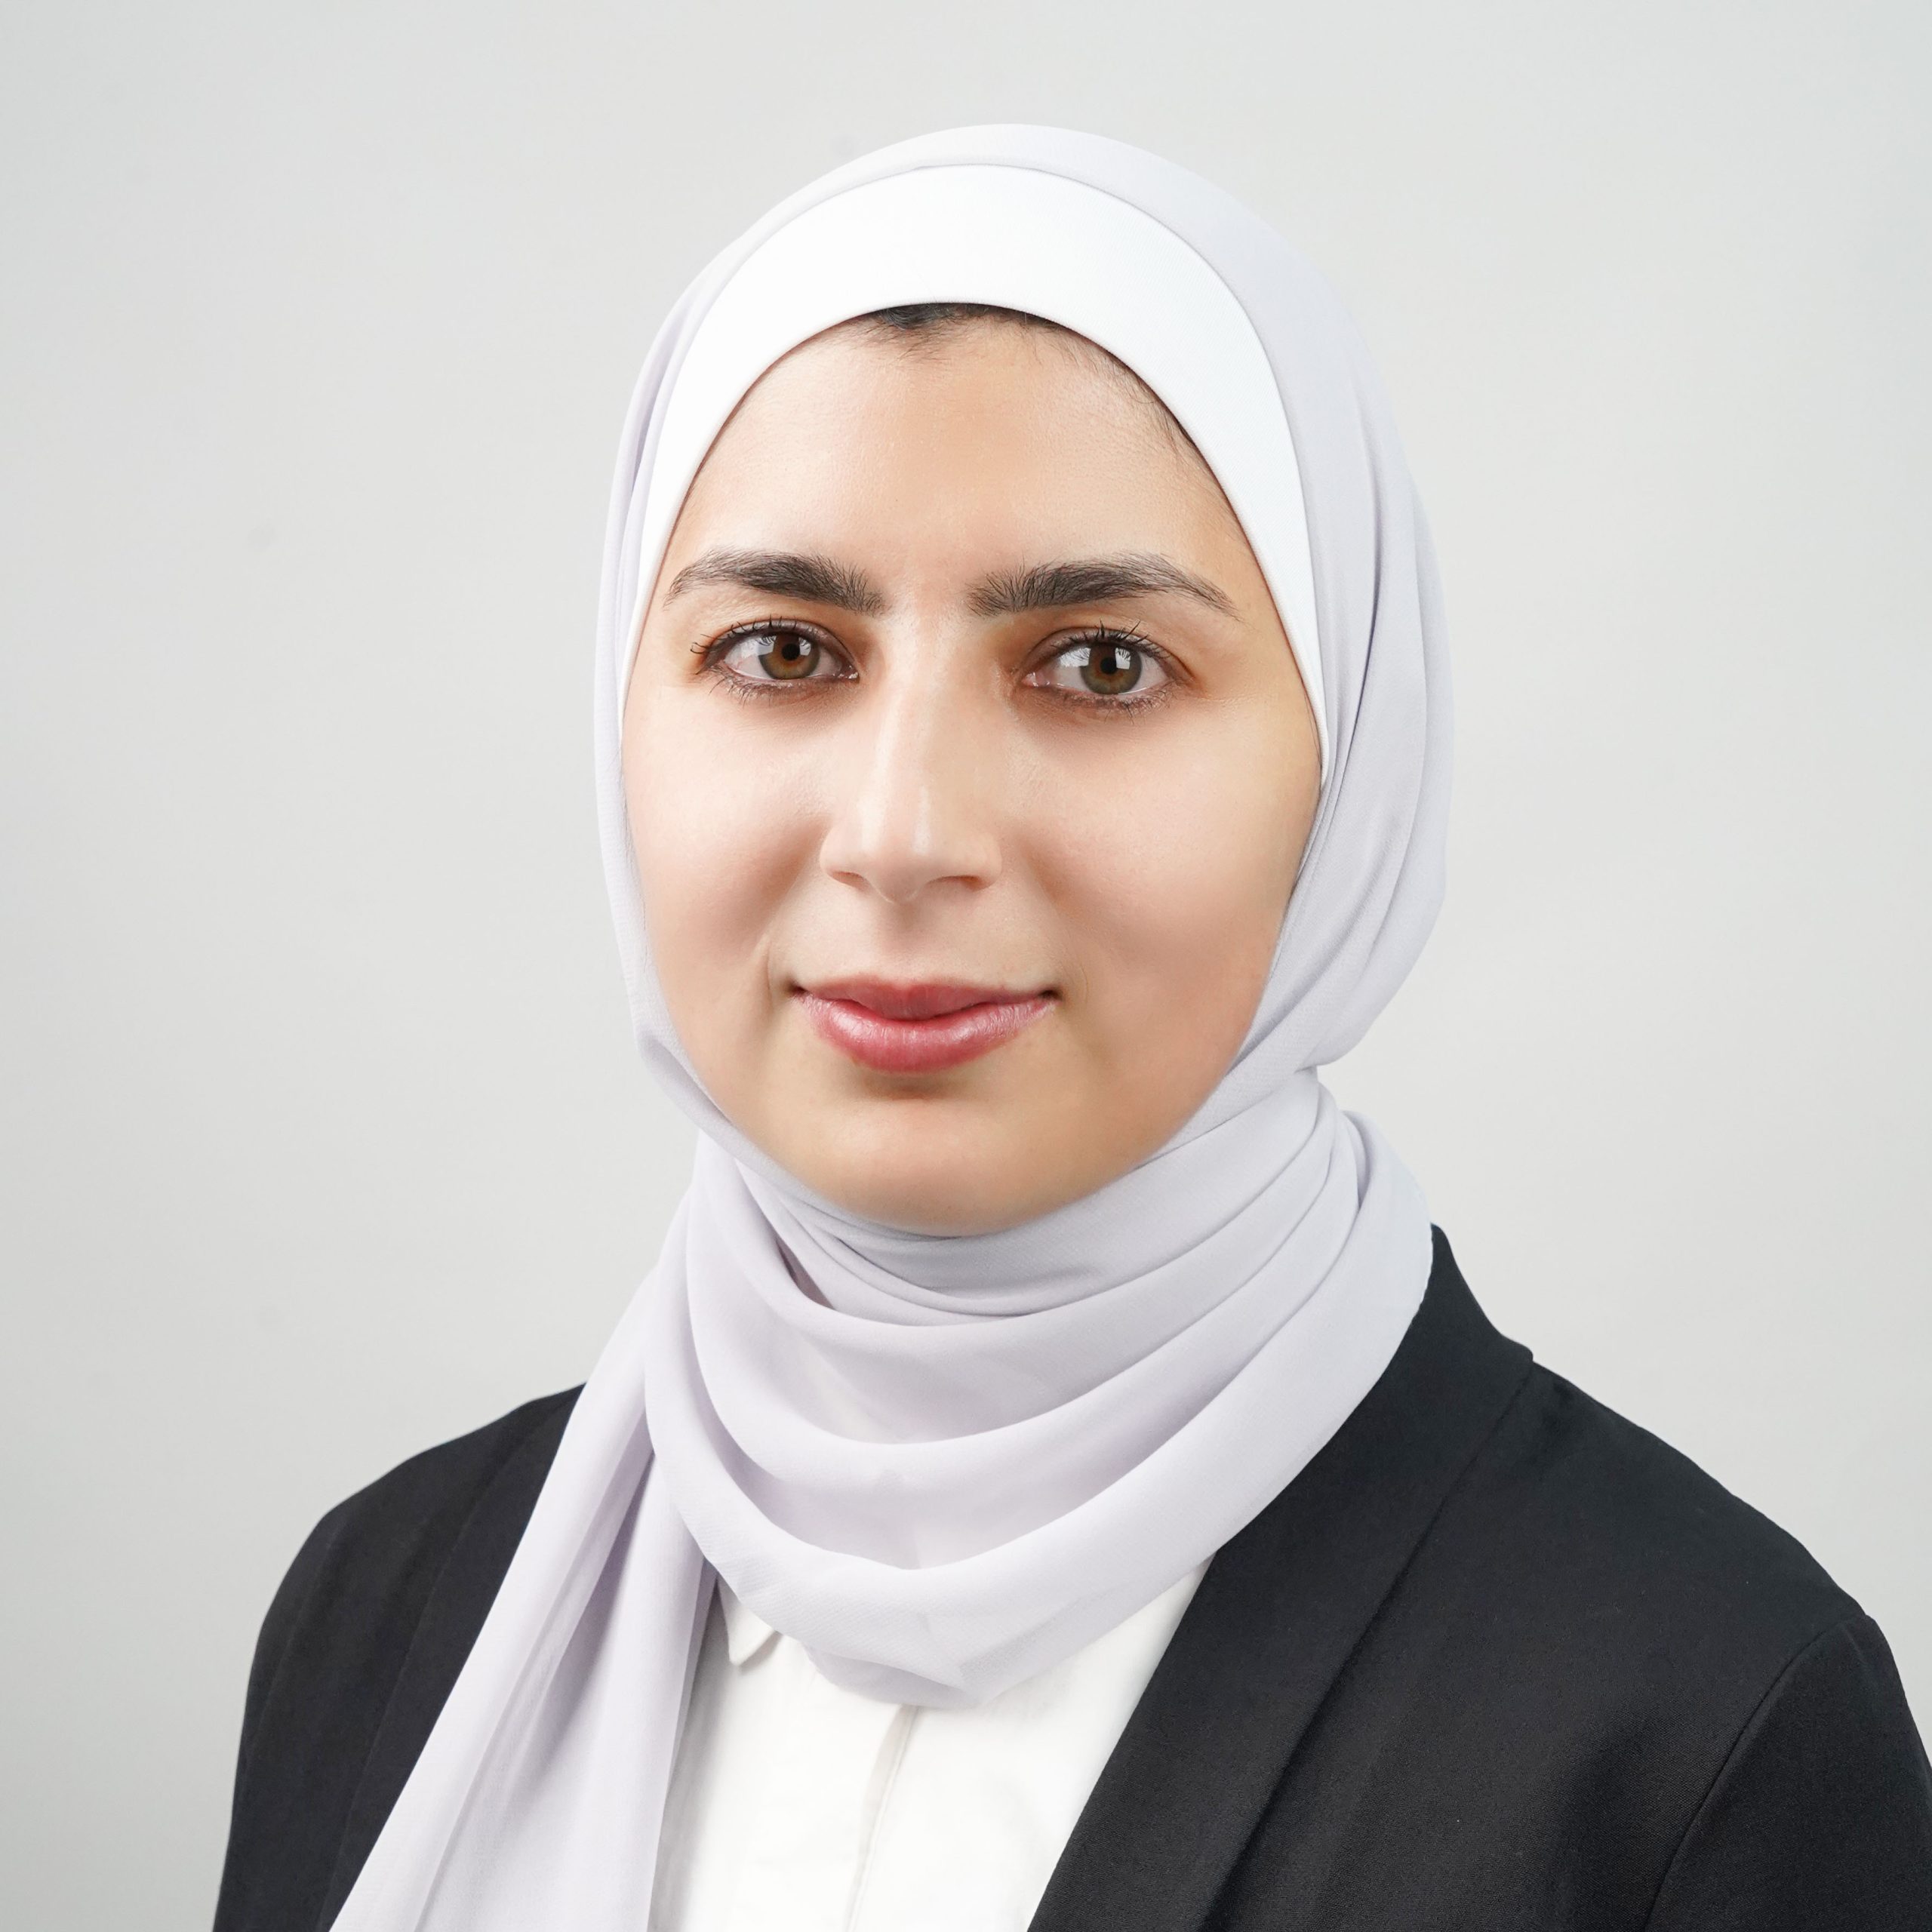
[1496, 1660]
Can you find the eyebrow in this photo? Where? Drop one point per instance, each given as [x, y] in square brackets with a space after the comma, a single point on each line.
[1093, 580]
[823, 579]
[819, 580]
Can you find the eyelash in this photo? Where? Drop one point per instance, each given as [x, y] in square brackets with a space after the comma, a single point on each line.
[712, 654]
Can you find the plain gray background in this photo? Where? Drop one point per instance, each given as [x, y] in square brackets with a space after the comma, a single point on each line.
[324, 1136]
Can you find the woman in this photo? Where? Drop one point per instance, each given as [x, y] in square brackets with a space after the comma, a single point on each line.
[1053, 1475]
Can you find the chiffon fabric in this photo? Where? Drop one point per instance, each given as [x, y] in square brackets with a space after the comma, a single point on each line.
[943, 1464]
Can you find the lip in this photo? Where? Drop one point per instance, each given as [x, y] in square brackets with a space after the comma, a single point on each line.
[923, 1027]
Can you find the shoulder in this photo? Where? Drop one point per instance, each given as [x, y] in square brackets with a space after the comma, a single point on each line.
[424, 1500]
[1596, 1517]
[1821, 1813]
[1598, 1688]
[371, 1555]
[359, 1648]
[1566, 1529]
[1625, 1590]
[1690, 1671]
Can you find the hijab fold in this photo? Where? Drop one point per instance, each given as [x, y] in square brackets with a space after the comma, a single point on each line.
[959, 1459]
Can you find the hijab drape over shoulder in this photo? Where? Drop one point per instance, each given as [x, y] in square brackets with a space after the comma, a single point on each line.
[1064, 1418]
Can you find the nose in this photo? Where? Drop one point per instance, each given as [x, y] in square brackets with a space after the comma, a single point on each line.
[913, 806]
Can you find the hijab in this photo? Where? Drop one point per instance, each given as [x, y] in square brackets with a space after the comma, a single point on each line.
[960, 1458]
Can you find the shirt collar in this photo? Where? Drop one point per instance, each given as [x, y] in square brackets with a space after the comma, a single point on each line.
[747, 1634]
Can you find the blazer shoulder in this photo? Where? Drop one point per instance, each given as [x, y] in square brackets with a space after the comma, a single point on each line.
[361, 1556]
[423, 1492]
[1822, 1814]
[1601, 1530]
[337, 1638]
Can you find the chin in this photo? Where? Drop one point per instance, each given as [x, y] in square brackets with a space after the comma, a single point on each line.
[931, 1175]
[922, 1200]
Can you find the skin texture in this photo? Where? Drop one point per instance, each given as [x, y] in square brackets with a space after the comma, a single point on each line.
[942, 796]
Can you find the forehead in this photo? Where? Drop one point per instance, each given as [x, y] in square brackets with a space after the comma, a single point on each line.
[990, 423]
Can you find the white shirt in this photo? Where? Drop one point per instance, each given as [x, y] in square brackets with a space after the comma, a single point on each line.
[795, 1806]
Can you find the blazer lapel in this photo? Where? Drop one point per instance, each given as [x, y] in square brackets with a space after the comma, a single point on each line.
[1277, 1616]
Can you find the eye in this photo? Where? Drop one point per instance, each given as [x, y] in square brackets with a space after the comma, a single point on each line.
[778, 655]
[1109, 665]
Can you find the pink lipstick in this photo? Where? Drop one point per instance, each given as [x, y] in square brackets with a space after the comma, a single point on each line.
[917, 1029]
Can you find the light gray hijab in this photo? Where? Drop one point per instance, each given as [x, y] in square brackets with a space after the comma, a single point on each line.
[964, 1457]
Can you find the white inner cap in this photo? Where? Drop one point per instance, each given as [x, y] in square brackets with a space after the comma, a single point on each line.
[1015, 239]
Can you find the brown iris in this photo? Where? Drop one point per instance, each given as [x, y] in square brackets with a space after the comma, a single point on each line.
[789, 655]
[1110, 670]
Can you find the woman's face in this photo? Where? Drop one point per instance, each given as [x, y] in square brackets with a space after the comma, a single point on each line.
[968, 771]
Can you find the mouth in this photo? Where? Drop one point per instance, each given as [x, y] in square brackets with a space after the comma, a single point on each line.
[921, 1028]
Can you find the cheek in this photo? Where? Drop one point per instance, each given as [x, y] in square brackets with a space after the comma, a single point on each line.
[719, 851]
[1177, 902]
